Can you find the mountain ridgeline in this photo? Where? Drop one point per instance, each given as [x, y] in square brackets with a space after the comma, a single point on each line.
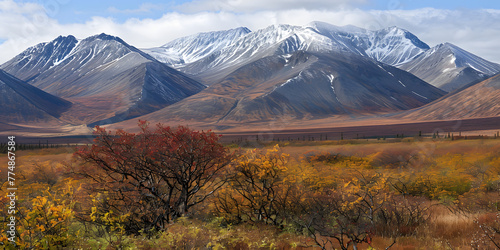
[236, 76]
[102, 74]
[449, 67]
[393, 46]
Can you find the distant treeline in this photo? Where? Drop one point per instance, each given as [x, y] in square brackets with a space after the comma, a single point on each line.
[31, 146]
[340, 136]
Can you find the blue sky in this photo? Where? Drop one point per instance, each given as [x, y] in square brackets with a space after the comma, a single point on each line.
[472, 25]
[73, 11]
[81, 11]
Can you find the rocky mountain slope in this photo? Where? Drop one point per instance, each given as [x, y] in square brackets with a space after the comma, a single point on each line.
[476, 101]
[23, 103]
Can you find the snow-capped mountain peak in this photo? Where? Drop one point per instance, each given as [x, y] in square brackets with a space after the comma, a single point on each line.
[391, 45]
[394, 46]
[467, 59]
[449, 67]
[191, 48]
[41, 57]
[215, 35]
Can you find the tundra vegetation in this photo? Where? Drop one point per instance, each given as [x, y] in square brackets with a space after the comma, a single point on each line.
[177, 188]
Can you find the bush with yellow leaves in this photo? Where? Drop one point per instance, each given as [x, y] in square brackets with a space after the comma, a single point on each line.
[43, 222]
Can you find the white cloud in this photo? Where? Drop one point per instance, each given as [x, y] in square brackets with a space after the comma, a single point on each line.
[22, 24]
[245, 6]
[144, 8]
[9, 6]
[477, 31]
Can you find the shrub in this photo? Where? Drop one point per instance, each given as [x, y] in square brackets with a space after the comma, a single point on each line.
[146, 180]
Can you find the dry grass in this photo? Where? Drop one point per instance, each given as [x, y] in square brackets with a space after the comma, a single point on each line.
[456, 229]
[366, 147]
[445, 229]
[39, 165]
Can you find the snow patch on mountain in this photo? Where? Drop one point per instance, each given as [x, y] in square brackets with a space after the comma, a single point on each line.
[291, 80]
[59, 61]
[331, 78]
[419, 95]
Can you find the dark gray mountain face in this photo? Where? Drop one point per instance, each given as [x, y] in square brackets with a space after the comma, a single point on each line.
[449, 67]
[327, 84]
[103, 73]
[22, 102]
[304, 85]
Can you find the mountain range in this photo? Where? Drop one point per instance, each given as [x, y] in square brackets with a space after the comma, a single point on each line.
[391, 46]
[394, 46]
[237, 76]
[102, 75]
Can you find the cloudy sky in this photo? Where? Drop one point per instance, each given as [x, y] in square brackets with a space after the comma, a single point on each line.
[472, 25]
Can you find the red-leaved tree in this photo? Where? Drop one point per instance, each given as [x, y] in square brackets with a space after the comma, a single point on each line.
[149, 178]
